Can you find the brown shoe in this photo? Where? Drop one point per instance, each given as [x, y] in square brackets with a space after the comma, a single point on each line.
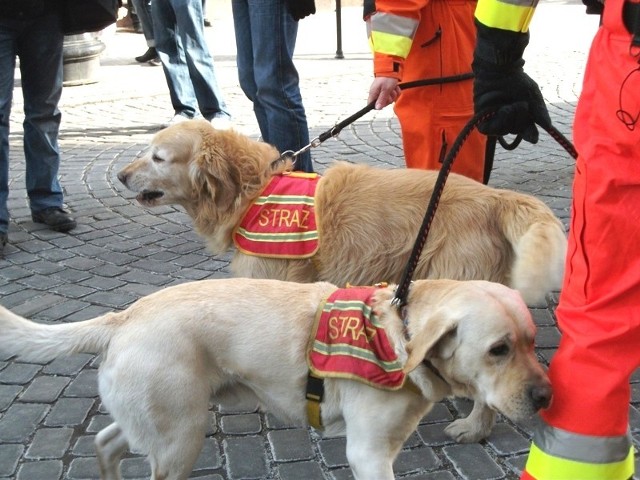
[55, 218]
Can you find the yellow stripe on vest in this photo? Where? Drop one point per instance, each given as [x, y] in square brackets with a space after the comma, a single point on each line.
[390, 44]
[543, 466]
[513, 16]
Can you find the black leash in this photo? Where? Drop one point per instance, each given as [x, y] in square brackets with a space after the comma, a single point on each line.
[402, 291]
[337, 128]
[436, 81]
[332, 132]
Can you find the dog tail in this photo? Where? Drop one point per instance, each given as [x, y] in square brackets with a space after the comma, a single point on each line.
[38, 342]
[539, 251]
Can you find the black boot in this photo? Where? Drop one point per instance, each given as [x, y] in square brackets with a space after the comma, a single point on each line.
[150, 54]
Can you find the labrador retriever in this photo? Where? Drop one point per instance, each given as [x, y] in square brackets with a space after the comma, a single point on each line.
[368, 218]
[172, 352]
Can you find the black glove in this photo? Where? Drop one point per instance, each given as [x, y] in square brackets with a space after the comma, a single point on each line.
[501, 85]
[301, 8]
[594, 7]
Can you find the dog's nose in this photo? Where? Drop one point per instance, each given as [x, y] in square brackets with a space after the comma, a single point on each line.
[122, 177]
[540, 396]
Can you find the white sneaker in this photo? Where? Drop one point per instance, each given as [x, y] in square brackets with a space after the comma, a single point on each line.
[221, 123]
[175, 120]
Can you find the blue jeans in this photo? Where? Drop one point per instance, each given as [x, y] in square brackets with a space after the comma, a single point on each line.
[178, 28]
[265, 39]
[143, 11]
[38, 43]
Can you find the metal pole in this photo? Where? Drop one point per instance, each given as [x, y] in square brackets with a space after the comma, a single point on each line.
[339, 53]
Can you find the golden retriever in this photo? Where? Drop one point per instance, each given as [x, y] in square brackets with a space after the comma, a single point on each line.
[170, 353]
[368, 218]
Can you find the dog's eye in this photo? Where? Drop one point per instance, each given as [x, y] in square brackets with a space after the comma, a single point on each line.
[499, 350]
[156, 158]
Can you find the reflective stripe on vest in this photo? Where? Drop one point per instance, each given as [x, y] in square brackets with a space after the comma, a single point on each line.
[391, 34]
[557, 454]
[513, 15]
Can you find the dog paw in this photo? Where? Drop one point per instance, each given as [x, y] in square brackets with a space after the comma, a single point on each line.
[465, 431]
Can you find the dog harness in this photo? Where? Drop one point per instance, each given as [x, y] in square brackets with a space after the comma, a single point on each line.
[348, 341]
[281, 222]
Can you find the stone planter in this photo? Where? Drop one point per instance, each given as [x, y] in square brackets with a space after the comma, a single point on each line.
[81, 59]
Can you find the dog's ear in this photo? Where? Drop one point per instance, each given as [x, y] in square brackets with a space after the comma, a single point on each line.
[217, 175]
[431, 340]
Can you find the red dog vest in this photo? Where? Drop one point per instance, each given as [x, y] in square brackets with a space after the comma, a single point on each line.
[281, 223]
[349, 342]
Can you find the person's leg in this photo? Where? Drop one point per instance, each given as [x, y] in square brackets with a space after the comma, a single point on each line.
[8, 35]
[585, 433]
[244, 60]
[274, 32]
[143, 9]
[40, 53]
[172, 55]
[199, 61]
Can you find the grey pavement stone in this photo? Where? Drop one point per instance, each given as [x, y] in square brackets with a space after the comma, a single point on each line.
[41, 282]
[472, 462]
[516, 464]
[18, 297]
[49, 443]
[114, 299]
[342, 474]
[433, 435]
[416, 460]
[547, 337]
[246, 457]
[290, 445]
[334, 452]
[237, 406]
[439, 413]
[84, 385]
[506, 440]
[276, 423]
[104, 283]
[84, 468]
[70, 365]
[413, 441]
[300, 470]
[20, 421]
[41, 470]
[210, 457]
[441, 475]
[72, 276]
[69, 411]
[98, 422]
[84, 446]
[8, 393]
[241, 424]
[44, 389]
[136, 467]
[19, 373]
[37, 304]
[63, 310]
[9, 456]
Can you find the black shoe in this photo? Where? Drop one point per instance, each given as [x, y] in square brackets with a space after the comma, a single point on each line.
[55, 218]
[207, 22]
[150, 54]
[4, 238]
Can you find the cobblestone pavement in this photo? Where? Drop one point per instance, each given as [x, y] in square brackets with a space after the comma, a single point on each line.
[49, 413]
